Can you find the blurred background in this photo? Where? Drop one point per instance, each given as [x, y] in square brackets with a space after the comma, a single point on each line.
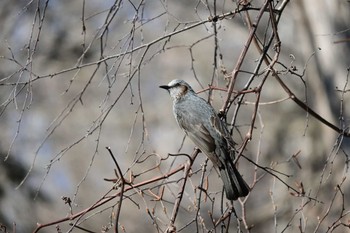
[79, 76]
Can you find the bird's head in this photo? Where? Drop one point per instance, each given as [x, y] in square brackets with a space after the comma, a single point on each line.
[178, 89]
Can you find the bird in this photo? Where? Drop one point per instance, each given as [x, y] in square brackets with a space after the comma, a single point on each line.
[198, 119]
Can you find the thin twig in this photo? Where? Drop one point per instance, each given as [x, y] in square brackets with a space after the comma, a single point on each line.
[178, 200]
[122, 185]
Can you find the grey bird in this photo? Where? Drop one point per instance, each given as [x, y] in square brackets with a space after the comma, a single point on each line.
[203, 126]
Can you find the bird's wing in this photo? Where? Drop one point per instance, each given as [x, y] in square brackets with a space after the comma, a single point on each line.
[221, 129]
[202, 138]
[206, 143]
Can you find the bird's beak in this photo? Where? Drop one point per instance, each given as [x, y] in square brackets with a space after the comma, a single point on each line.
[166, 87]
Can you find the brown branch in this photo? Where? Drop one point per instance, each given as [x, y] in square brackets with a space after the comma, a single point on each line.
[304, 106]
[285, 87]
[122, 185]
[240, 60]
[106, 199]
[271, 64]
[171, 228]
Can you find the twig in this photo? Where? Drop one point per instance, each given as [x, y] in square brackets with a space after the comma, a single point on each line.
[171, 227]
[241, 58]
[122, 185]
[105, 199]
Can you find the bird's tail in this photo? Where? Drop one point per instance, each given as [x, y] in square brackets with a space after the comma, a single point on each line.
[234, 184]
